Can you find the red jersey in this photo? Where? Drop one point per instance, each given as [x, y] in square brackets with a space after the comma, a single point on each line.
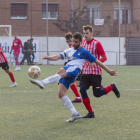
[16, 45]
[2, 57]
[96, 49]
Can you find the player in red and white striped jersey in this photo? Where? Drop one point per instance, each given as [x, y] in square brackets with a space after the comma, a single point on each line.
[92, 72]
[68, 37]
[5, 66]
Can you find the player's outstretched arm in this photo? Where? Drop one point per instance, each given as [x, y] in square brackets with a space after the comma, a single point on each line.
[53, 58]
[111, 72]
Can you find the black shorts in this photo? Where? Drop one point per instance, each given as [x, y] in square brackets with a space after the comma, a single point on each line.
[88, 79]
[4, 65]
[79, 77]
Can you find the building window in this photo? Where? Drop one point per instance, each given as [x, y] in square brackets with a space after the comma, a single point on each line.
[19, 10]
[125, 15]
[52, 11]
[93, 12]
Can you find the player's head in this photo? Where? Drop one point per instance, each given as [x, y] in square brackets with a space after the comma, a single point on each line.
[15, 34]
[68, 37]
[31, 39]
[28, 40]
[88, 32]
[77, 39]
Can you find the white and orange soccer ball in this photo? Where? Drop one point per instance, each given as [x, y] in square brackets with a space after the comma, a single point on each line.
[34, 72]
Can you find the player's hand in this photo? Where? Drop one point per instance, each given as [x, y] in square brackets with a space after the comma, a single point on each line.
[10, 51]
[113, 72]
[91, 64]
[45, 57]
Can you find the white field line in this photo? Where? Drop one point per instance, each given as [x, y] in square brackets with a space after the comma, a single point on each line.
[131, 89]
[32, 91]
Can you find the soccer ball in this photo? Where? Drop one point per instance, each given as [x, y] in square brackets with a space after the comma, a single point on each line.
[34, 72]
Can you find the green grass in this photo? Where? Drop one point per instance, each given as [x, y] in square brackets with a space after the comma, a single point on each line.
[29, 113]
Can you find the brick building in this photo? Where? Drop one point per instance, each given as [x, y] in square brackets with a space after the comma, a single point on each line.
[28, 17]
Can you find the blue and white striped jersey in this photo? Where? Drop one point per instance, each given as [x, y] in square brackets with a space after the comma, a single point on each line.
[77, 57]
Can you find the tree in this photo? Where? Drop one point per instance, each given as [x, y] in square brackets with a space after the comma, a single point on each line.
[75, 23]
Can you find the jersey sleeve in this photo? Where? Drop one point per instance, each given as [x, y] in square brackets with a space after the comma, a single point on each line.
[90, 57]
[64, 53]
[100, 49]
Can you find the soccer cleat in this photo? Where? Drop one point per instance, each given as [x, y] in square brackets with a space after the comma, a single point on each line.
[115, 90]
[14, 84]
[37, 82]
[73, 118]
[89, 115]
[18, 69]
[77, 100]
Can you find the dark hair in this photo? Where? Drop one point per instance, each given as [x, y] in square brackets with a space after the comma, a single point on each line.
[28, 40]
[15, 33]
[88, 27]
[68, 35]
[78, 35]
[31, 39]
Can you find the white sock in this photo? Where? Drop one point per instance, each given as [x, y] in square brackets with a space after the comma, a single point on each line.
[69, 105]
[52, 79]
[16, 66]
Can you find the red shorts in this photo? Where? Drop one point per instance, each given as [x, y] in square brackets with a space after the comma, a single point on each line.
[16, 54]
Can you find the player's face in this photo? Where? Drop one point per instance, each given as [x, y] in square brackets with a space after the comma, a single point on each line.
[87, 34]
[69, 42]
[76, 43]
[15, 35]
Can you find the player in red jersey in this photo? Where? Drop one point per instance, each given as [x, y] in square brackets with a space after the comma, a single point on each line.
[78, 99]
[92, 72]
[16, 47]
[5, 66]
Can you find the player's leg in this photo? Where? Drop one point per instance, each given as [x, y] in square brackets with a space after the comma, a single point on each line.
[98, 92]
[74, 89]
[84, 86]
[16, 55]
[5, 67]
[62, 90]
[50, 80]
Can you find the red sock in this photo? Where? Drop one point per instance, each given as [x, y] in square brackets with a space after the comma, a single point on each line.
[74, 89]
[90, 84]
[108, 89]
[86, 102]
[12, 77]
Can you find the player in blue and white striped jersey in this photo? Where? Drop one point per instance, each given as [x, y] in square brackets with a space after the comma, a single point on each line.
[67, 75]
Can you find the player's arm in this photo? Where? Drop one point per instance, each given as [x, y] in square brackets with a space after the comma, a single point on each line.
[53, 58]
[111, 72]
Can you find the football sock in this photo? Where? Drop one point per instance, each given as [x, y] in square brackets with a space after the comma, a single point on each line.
[108, 89]
[69, 105]
[86, 102]
[74, 89]
[52, 79]
[12, 77]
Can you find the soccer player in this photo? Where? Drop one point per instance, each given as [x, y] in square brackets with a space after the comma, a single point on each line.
[78, 99]
[16, 47]
[5, 66]
[92, 72]
[67, 75]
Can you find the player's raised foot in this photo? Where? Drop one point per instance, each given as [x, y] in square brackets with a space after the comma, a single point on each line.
[38, 83]
[115, 90]
[77, 100]
[13, 85]
[74, 117]
[89, 115]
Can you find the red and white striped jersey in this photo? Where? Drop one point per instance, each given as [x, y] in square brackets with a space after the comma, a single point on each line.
[96, 49]
[2, 57]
